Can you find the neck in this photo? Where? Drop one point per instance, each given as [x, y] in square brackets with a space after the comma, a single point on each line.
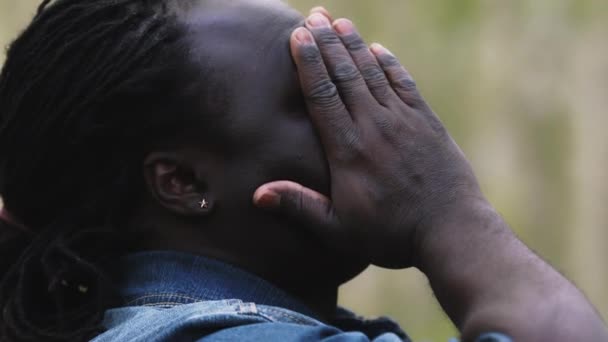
[322, 302]
[304, 273]
[315, 292]
[315, 288]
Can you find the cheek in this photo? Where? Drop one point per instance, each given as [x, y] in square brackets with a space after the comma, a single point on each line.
[287, 149]
[299, 155]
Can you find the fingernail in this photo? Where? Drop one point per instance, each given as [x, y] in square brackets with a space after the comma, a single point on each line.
[268, 199]
[344, 26]
[319, 9]
[318, 20]
[378, 49]
[303, 36]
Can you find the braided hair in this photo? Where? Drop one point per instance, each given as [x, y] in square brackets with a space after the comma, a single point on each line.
[85, 90]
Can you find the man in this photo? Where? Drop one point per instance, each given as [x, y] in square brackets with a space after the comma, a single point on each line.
[357, 171]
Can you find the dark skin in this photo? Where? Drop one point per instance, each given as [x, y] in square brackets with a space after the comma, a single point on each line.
[383, 183]
[260, 131]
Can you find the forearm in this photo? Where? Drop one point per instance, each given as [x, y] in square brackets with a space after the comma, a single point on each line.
[393, 165]
[488, 280]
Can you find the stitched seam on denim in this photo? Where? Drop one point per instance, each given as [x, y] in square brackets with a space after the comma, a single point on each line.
[283, 314]
[268, 318]
[164, 295]
[159, 300]
[229, 307]
[171, 294]
[163, 304]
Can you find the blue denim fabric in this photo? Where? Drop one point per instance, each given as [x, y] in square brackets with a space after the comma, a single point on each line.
[171, 296]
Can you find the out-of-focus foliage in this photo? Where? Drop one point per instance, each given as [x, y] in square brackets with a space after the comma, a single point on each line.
[523, 87]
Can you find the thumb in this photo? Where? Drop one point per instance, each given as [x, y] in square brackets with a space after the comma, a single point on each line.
[298, 202]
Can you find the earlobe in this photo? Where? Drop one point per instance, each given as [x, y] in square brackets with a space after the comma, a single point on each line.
[172, 181]
[203, 205]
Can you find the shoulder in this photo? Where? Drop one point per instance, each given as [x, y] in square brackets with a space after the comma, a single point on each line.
[169, 321]
[291, 332]
[226, 320]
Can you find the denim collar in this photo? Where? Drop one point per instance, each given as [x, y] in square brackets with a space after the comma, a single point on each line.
[170, 278]
[157, 277]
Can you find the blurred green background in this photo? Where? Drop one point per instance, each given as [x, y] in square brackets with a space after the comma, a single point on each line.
[522, 85]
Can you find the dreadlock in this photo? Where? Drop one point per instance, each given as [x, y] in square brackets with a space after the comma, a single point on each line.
[84, 91]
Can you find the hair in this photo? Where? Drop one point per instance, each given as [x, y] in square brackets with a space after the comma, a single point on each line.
[86, 90]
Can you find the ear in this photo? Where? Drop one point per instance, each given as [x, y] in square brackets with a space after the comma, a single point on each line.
[174, 183]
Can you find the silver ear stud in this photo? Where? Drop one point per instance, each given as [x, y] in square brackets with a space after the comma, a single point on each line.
[204, 204]
[83, 289]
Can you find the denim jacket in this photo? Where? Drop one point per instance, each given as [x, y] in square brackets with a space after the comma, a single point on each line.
[171, 296]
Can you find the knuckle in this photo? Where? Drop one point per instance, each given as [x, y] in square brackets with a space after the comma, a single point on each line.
[356, 146]
[393, 128]
[381, 91]
[299, 201]
[351, 147]
[292, 201]
[405, 83]
[346, 154]
[310, 55]
[373, 73]
[323, 92]
[384, 123]
[389, 61]
[346, 72]
[407, 89]
[354, 43]
[325, 37]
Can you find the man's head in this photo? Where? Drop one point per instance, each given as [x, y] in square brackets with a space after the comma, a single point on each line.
[255, 130]
[126, 115]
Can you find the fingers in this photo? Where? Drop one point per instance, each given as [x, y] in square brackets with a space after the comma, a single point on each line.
[297, 202]
[366, 62]
[400, 79]
[323, 11]
[326, 109]
[343, 71]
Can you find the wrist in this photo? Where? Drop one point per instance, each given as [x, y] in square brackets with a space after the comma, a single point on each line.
[469, 254]
[461, 232]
